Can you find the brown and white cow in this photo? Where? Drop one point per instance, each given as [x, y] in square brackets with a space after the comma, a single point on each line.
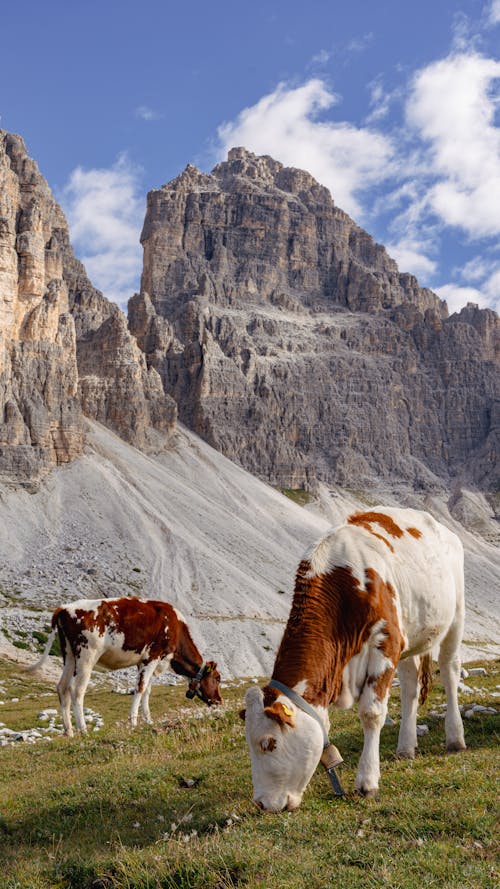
[125, 632]
[373, 595]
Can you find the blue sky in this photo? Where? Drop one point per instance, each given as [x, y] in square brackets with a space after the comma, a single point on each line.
[393, 105]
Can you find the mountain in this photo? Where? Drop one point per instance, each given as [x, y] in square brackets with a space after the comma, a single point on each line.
[65, 350]
[291, 342]
[41, 415]
[278, 331]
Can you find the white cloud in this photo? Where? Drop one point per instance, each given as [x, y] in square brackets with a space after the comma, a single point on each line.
[452, 109]
[380, 100]
[494, 12]
[410, 258]
[105, 211]
[457, 297]
[475, 270]
[359, 44]
[286, 124]
[321, 58]
[146, 113]
[486, 274]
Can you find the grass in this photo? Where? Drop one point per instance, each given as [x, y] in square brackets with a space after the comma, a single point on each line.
[111, 810]
[298, 495]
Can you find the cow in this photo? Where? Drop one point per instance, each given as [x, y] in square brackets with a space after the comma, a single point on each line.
[375, 594]
[125, 632]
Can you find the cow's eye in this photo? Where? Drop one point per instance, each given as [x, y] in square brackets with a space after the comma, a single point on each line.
[267, 744]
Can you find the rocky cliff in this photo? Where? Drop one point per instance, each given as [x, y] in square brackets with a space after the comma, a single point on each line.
[292, 343]
[41, 423]
[116, 387]
[65, 350]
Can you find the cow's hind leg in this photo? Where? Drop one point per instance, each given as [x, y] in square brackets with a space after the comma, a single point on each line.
[143, 688]
[449, 668]
[408, 679]
[83, 672]
[64, 692]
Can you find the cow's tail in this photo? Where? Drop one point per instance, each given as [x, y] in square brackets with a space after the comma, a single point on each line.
[425, 677]
[48, 646]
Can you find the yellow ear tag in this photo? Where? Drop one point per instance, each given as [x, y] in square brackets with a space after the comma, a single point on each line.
[286, 710]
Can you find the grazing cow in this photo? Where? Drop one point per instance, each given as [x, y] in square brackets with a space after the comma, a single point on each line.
[376, 594]
[124, 633]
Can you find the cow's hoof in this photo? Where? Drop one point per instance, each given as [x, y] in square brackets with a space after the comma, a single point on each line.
[405, 754]
[367, 794]
[455, 747]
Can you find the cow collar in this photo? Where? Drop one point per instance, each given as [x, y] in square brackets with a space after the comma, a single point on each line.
[194, 687]
[302, 705]
[331, 756]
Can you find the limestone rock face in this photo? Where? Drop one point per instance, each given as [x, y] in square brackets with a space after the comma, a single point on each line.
[40, 415]
[292, 343]
[116, 386]
[65, 350]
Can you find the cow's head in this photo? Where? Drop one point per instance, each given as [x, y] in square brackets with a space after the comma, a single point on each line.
[207, 687]
[285, 748]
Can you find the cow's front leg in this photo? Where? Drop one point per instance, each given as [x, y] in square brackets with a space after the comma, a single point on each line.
[372, 713]
[408, 680]
[145, 695]
[144, 679]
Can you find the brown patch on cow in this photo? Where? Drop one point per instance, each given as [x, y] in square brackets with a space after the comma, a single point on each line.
[56, 625]
[381, 684]
[393, 643]
[281, 714]
[210, 684]
[414, 532]
[145, 624]
[366, 519]
[267, 745]
[331, 618]
[270, 695]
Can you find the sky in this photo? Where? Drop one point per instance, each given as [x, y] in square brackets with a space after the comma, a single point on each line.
[393, 105]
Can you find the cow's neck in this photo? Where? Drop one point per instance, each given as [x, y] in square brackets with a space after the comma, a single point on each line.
[321, 635]
[186, 659]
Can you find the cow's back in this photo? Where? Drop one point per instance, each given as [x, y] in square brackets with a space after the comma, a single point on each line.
[118, 631]
[420, 558]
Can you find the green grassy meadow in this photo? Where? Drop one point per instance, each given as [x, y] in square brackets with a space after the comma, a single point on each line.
[111, 810]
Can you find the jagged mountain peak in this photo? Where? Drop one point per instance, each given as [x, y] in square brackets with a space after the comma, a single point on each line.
[299, 349]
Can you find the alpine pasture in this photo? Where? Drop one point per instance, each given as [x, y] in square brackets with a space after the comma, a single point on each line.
[170, 804]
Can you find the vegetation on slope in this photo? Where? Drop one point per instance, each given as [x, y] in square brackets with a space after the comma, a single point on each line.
[170, 805]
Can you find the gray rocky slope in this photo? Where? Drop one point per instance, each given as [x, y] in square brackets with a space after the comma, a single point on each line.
[190, 527]
[292, 343]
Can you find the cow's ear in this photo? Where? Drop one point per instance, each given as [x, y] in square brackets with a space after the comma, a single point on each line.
[281, 713]
[242, 714]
